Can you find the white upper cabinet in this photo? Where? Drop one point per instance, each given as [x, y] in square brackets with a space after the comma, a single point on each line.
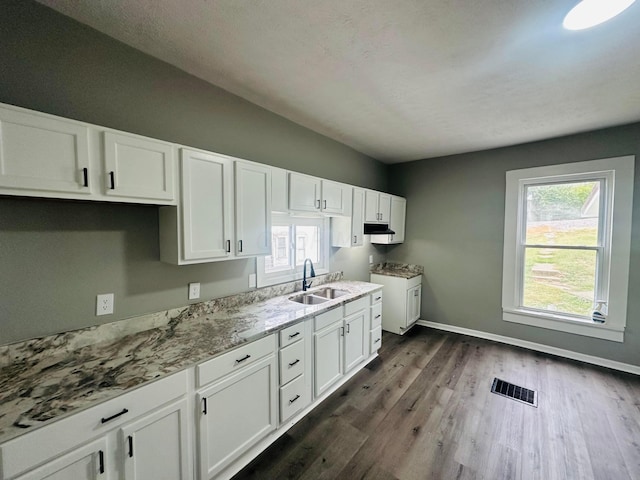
[312, 194]
[279, 190]
[396, 222]
[41, 155]
[333, 198]
[348, 231]
[253, 209]
[377, 207]
[304, 193]
[200, 229]
[138, 167]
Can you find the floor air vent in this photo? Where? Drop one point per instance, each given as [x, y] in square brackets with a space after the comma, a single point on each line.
[506, 389]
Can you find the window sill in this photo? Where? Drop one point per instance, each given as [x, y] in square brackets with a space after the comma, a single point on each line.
[563, 324]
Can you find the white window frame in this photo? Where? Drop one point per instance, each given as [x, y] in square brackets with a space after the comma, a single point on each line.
[265, 279]
[613, 271]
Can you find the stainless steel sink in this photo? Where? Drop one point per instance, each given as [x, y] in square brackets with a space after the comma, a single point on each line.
[308, 299]
[318, 296]
[330, 293]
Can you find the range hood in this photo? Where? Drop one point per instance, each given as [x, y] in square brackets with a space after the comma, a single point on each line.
[377, 229]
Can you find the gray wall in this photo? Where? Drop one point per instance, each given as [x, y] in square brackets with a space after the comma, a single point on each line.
[455, 228]
[55, 256]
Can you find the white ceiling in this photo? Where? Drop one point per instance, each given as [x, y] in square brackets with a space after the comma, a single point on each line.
[397, 80]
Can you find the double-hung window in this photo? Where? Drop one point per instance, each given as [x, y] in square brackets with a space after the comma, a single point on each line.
[567, 246]
[293, 239]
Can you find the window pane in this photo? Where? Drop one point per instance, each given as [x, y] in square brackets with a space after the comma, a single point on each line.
[280, 258]
[560, 280]
[563, 214]
[307, 243]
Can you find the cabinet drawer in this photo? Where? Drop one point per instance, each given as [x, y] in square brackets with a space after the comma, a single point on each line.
[355, 306]
[293, 398]
[291, 334]
[32, 449]
[376, 297]
[325, 319]
[234, 360]
[376, 339]
[376, 315]
[291, 362]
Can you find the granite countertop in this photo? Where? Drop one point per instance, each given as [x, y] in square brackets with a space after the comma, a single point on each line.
[45, 379]
[402, 270]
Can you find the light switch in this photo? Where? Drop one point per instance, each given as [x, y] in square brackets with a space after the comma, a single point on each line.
[252, 280]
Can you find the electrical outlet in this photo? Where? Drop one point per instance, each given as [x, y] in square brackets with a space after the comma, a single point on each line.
[370, 258]
[194, 291]
[104, 304]
[252, 280]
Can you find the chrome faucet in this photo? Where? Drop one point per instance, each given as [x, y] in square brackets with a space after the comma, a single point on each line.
[306, 285]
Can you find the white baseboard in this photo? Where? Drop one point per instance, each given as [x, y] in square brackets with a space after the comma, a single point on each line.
[603, 362]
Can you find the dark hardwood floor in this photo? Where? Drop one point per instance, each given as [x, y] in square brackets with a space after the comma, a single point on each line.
[424, 410]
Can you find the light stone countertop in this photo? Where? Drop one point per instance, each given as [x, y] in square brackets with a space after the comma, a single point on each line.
[46, 379]
[402, 270]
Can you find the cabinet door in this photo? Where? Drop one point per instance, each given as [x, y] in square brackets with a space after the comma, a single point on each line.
[206, 205]
[384, 207]
[354, 339]
[42, 153]
[357, 220]
[85, 463]
[155, 447]
[327, 357]
[304, 193]
[137, 167]
[236, 413]
[371, 214]
[413, 304]
[253, 209]
[279, 190]
[333, 197]
[397, 219]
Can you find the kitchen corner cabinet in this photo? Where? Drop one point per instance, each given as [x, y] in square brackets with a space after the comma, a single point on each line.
[377, 207]
[348, 231]
[253, 209]
[47, 156]
[312, 194]
[403, 298]
[239, 407]
[396, 222]
[143, 434]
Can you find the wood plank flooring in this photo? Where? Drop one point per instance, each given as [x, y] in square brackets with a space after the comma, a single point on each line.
[424, 410]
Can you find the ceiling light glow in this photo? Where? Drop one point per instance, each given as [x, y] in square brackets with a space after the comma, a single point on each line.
[589, 13]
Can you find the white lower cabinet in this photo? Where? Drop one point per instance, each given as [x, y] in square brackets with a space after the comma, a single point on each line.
[401, 308]
[143, 434]
[327, 357]
[156, 446]
[237, 411]
[84, 463]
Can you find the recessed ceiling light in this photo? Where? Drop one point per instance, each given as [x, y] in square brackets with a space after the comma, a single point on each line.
[589, 13]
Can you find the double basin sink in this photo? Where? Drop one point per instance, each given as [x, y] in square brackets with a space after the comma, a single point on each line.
[318, 296]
